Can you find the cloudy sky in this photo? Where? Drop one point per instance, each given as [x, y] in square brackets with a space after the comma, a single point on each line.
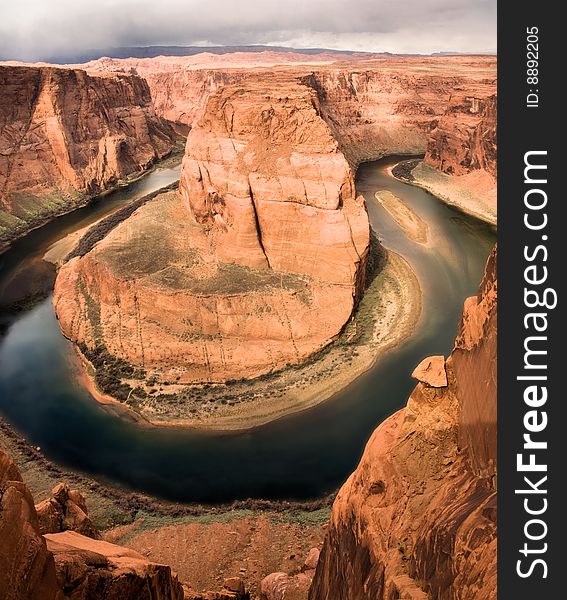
[39, 29]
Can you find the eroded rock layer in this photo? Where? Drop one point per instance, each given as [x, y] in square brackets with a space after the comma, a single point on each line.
[255, 265]
[417, 518]
[27, 568]
[375, 106]
[65, 134]
[464, 139]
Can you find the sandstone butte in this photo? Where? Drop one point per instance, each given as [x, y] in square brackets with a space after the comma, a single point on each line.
[258, 260]
[258, 263]
[417, 518]
[66, 135]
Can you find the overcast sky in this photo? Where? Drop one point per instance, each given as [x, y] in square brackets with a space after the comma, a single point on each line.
[38, 29]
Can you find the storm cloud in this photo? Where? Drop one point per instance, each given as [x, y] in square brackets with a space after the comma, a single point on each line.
[39, 29]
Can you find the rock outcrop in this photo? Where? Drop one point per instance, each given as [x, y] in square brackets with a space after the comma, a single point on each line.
[417, 518]
[290, 586]
[27, 568]
[464, 139]
[90, 569]
[66, 510]
[69, 565]
[66, 134]
[257, 264]
[431, 371]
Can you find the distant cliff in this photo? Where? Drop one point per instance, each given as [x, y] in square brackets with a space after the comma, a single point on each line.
[417, 518]
[464, 139]
[65, 134]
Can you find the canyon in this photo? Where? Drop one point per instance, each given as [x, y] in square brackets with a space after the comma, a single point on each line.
[66, 135]
[417, 518]
[255, 263]
[266, 245]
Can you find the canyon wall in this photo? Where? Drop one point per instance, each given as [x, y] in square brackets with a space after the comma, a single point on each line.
[257, 262]
[375, 107]
[65, 134]
[464, 139]
[460, 162]
[417, 518]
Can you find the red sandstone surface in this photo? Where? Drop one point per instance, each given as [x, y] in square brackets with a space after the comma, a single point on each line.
[417, 518]
[257, 263]
[65, 134]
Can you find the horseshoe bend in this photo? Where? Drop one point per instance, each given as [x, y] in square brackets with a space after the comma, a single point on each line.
[329, 217]
[260, 258]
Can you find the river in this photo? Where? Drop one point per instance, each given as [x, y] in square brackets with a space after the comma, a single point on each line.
[301, 456]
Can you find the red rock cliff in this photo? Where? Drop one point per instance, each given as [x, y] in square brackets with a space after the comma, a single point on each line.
[374, 107]
[417, 518]
[464, 139]
[65, 133]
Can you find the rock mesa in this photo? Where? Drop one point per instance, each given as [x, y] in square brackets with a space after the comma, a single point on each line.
[256, 263]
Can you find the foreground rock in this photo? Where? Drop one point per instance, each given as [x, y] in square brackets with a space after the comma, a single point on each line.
[431, 371]
[68, 564]
[417, 518]
[255, 266]
[65, 134]
[27, 568]
[89, 569]
[65, 510]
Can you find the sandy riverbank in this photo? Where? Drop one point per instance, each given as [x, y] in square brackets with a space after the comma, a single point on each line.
[474, 193]
[387, 314]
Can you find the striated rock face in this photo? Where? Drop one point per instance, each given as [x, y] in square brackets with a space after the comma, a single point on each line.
[65, 510]
[67, 565]
[263, 171]
[27, 568]
[375, 107]
[417, 518]
[460, 163]
[464, 139]
[257, 263]
[65, 134]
